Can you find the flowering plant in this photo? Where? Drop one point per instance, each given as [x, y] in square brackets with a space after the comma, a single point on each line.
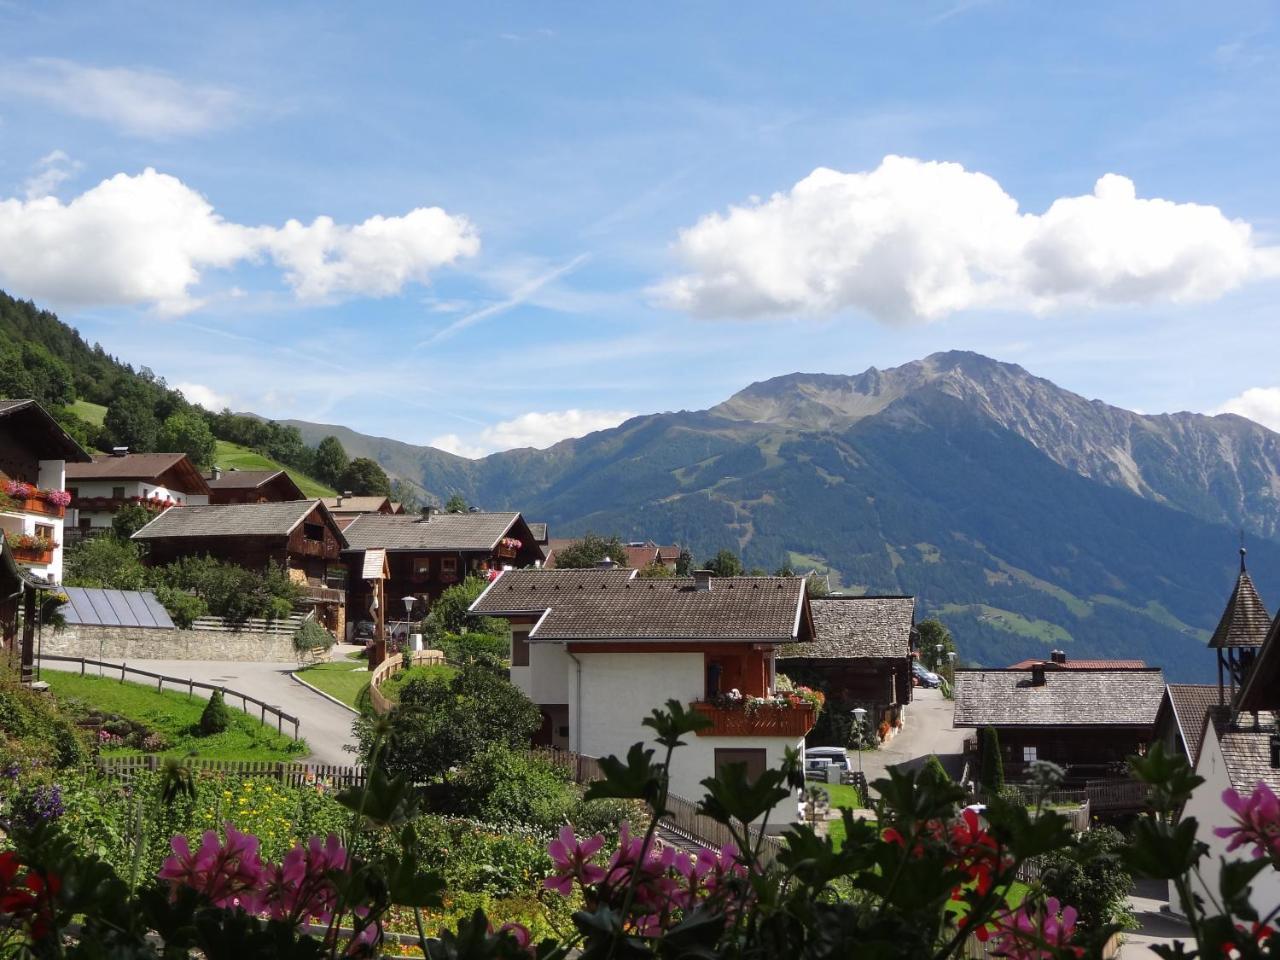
[59, 498]
[18, 489]
[30, 541]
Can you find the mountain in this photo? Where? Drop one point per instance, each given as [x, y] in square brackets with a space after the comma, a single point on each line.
[1025, 515]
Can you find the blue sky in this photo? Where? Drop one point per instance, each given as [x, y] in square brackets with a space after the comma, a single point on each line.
[536, 218]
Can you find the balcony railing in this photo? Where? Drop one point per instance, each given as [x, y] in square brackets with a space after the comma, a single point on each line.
[113, 504]
[34, 555]
[768, 721]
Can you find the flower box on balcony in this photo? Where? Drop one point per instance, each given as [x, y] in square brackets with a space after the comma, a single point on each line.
[41, 506]
[34, 555]
[766, 721]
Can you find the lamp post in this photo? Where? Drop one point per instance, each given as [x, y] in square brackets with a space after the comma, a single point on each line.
[859, 714]
[408, 609]
[937, 656]
[951, 656]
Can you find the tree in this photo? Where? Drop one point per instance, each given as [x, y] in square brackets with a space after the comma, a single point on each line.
[725, 564]
[938, 770]
[406, 496]
[216, 717]
[330, 461]
[132, 422]
[655, 570]
[590, 551]
[364, 478]
[105, 562]
[449, 612]
[444, 722]
[129, 519]
[991, 773]
[456, 504]
[684, 564]
[187, 432]
[934, 634]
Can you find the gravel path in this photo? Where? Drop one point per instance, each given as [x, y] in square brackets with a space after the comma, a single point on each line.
[323, 724]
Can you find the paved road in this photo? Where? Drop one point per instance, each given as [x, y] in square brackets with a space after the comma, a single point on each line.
[1148, 900]
[324, 725]
[927, 730]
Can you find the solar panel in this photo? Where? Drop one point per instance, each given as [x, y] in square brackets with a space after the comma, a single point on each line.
[92, 606]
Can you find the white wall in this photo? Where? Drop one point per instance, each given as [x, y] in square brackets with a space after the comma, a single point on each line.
[620, 689]
[132, 488]
[550, 670]
[1207, 807]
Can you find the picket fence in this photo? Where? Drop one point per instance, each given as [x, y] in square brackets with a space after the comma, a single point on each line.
[289, 774]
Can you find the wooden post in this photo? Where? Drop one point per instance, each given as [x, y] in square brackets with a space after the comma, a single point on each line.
[28, 668]
[191, 687]
[279, 722]
[295, 729]
[122, 669]
[263, 718]
[82, 666]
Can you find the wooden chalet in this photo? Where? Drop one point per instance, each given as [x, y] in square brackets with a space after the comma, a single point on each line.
[252, 486]
[346, 507]
[299, 535]
[154, 481]
[427, 554]
[860, 656]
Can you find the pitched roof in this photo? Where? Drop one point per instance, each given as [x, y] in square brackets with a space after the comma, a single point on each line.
[42, 432]
[641, 555]
[242, 479]
[1190, 703]
[139, 466]
[1247, 753]
[357, 504]
[1261, 688]
[539, 531]
[375, 565]
[858, 627]
[229, 520]
[444, 531]
[614, 605]
[1004, 698]
[1245, 621]
[1082, 665]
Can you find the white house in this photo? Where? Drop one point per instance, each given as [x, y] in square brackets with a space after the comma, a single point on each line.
[599, 649]
[34, 453]
[155, 481]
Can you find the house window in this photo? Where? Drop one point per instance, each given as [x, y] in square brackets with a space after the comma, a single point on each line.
[44, 531]
[422, 566]
[336, 577]
[313, 531]
[519, 648]
[74, 491]
[449, 568]
[1028, 754]
[117, 493]
[754, 760]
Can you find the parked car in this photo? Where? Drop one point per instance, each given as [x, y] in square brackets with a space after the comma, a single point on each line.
[363, 630]
[924, 676]
[826, 756]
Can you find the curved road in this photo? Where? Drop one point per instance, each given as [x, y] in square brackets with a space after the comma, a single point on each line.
[323, 724]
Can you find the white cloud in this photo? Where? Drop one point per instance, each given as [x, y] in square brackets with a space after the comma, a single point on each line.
[205, 396]
[146, 103]
[1259, 404]
[915, 241]
[51, 170]
[146, 239]
[531, 430]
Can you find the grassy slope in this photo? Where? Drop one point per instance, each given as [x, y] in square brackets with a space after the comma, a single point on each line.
[343, 679]
[93, 413]
[233, 455]
[391, 689]
[175, 716]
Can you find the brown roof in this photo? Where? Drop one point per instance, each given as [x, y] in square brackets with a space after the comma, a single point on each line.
[859, 627]
[243, 479]
[358, 504]
[615, 605]
[41, 432]
[1189, 704]
[444, 531]
[1003, 698]
[640, 556]
[539, 531]
[1261, 688]
[230, 520]
[1245, 621]
[139, 466]
[1247, 753]
[1082, 665]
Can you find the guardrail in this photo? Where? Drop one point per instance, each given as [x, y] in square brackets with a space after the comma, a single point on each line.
[291, 774]
[192, 685]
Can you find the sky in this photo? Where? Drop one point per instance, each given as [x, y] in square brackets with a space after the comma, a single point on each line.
[492, 225]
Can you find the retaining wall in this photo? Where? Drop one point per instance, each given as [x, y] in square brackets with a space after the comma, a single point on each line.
[156, 643]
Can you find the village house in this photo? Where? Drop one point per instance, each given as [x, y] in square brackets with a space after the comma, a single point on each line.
[154, 481]
[637, 555]
[301, 536]
[599, 649]
[427, 554]
[1087, 721]
[346, 507]
[860, 656]
[252, 486]
[34, 453]
[1059, 659]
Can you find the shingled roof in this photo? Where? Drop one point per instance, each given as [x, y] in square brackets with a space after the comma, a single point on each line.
[370, 504]
[1074, 698]
[1245, 621]
[1190, 703]
[40, 432]
[229, 520]
[1248, 757]
[616, 605]
[444, 531]
[139, 466]
[858, 627]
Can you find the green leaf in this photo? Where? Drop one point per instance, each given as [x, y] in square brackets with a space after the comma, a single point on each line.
[674, 722]
[637, 779]
[731, 796]
[1164, 851]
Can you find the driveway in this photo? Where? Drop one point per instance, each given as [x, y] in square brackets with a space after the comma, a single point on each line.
[927, 730]
[1148, 901]
[323, 724]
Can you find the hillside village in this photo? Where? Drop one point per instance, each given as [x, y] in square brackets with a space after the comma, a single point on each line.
[351, 605]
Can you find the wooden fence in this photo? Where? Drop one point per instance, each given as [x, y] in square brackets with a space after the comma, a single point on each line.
[389, 668]
[264, 709]
[285, 627]
[291, 774]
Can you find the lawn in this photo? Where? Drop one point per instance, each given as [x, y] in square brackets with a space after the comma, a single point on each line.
[173, 716]
[93, 413]
[394, 684]
[230, 455]
[343, 679]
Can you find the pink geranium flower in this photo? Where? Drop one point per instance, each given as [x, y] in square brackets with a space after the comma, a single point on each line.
[572, 860]
[1257, 821]
[1023, 935]
[227, 873]
[301, 888]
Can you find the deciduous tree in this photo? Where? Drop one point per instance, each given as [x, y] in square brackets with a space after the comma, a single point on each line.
[364, 478]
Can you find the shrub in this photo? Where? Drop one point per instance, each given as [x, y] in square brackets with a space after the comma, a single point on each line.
[502, 785]
[32, 730]
[938, 770]
[1092, 877]
[311, 636]
[449, 612]
[991, 775]
[183, 608]
[474, 646]
[216, 718]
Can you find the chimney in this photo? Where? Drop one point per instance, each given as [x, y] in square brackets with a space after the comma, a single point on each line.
[119, 451]
[1058, 657]
[1037, 675]
[606, 564]
[702, 581]
[217, 472]
[427, 511]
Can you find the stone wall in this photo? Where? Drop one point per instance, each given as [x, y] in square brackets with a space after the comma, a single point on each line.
[142, 643]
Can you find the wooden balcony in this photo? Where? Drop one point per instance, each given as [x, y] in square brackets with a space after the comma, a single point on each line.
[504, 551]
[41, 506]
[33, 555]
[791, 722]
[113, 504]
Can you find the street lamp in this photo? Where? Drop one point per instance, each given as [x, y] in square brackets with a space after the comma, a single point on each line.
[937, 656]
[408, 610]
[859, 714]
[951, 655]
